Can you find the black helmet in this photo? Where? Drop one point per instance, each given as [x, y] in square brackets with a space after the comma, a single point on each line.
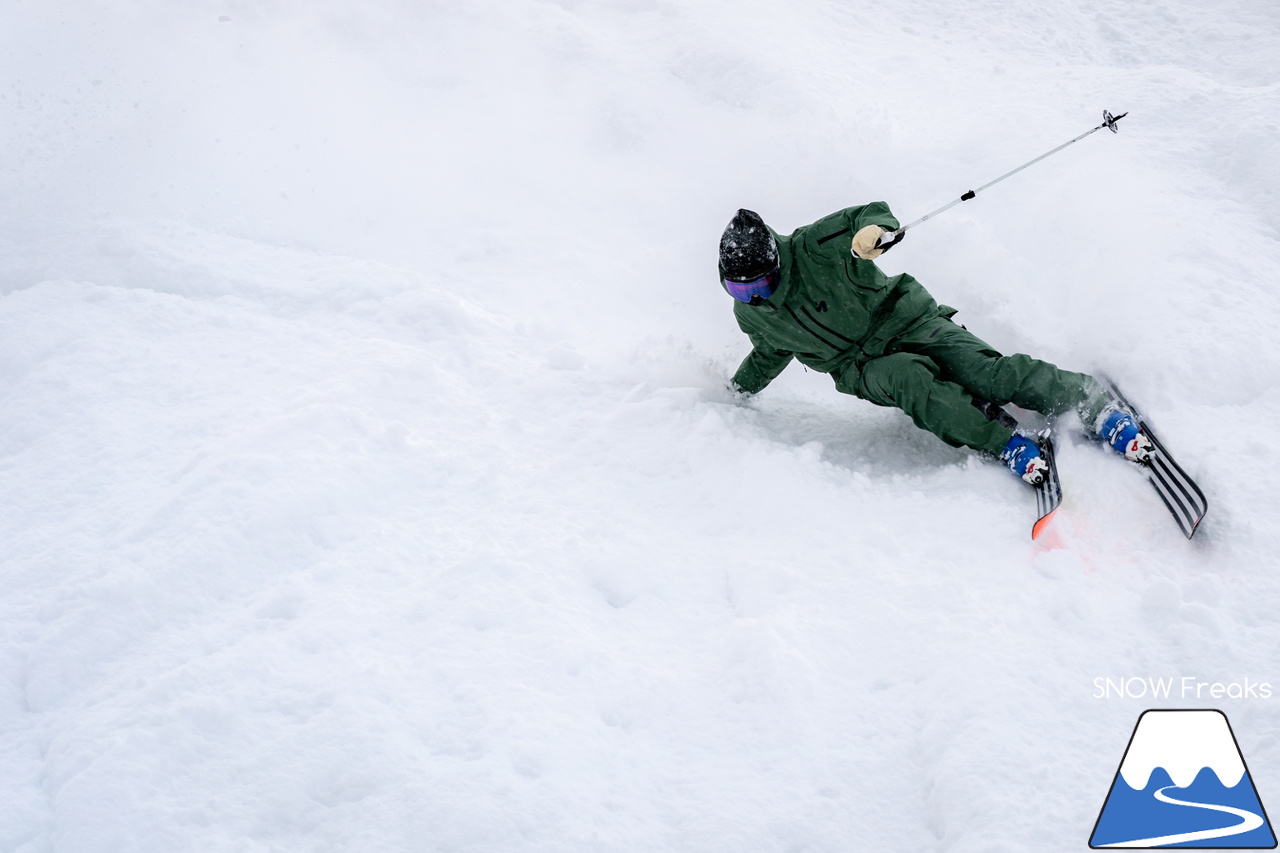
[747, 248]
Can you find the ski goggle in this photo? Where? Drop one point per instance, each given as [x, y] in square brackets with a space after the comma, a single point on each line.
[747, 291]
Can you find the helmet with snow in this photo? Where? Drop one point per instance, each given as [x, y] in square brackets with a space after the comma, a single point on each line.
[749, 268]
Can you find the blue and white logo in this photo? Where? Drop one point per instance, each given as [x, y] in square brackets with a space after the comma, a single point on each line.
[1183, 783]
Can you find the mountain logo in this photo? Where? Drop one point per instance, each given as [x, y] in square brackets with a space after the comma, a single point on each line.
[1183, 783]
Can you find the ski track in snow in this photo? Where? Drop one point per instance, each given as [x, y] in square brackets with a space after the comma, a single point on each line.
[369, 481]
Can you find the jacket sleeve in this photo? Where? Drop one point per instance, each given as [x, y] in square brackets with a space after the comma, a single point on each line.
[760, 367]
[875, 213]
[831, 235]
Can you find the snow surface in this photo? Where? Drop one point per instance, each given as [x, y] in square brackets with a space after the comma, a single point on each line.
[369, 480]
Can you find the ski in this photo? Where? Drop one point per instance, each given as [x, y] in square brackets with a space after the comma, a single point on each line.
[1180, 494]
[1049, 492]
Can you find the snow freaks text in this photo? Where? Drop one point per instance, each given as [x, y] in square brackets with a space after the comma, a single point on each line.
[1185, 687]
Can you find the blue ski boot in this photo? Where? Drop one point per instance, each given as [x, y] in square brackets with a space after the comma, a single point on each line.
[1022, 455]
[1115, 426]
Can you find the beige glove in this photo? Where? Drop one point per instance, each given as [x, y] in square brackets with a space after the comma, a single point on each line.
[864, 242]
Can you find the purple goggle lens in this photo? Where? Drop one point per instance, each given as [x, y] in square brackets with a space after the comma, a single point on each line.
[745, 291]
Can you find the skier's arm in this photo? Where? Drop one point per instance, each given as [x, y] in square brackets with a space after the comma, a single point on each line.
[875, 213]
[869, 223]
[760, 367]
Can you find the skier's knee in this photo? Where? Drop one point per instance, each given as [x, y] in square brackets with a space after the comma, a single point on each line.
[893, 380]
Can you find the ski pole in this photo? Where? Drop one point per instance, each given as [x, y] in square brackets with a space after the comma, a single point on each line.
[891, 238]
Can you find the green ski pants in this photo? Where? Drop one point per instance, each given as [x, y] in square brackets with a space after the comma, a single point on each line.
[934, 372]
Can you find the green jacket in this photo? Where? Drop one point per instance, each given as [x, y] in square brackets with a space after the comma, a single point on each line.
[832, 310]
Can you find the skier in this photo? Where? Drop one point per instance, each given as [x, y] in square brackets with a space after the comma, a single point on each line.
[817, 296]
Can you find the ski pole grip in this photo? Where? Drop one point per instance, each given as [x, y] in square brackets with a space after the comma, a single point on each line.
[889, 239]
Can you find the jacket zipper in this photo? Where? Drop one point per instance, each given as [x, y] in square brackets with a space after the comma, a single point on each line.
[824, 327]
[833, 235]
[801, 324]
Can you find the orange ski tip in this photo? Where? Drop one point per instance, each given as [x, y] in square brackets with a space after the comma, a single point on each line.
[1040, 525]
